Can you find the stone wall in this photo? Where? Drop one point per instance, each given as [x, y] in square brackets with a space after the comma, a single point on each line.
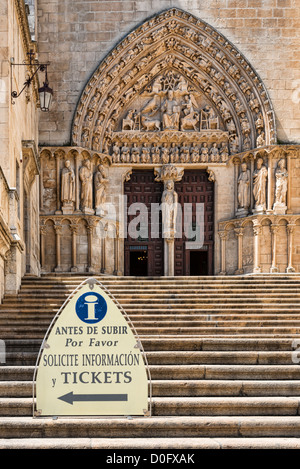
[19, 233]
[76, 35]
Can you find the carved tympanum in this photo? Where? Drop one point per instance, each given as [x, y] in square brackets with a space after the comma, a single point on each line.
[174, 79]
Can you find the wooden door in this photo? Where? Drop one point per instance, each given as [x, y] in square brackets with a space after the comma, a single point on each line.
[195, 188]
[142, 188]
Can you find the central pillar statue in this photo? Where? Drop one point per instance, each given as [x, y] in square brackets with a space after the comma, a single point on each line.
[169, 174]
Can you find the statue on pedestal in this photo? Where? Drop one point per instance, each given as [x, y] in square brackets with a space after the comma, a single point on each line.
[243, 191]
[86, 178]
[259, 186]
[281, 177]
[169, 209]
[67, 188]
[100, 190]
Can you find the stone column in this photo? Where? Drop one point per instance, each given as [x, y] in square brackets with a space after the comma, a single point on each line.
[236, 163]
[103, 250]
[239, 233]
[257, 232]
[169, 257]
[77, 200]
[274, 231]
[90, 229]
[58, 230]
[251, 184]
[270, 184]
[290, 229]
[74, 229]
[41, 185]
[223, 238]
[43, 236]
[57, 162]
[116, 252]
[289, 185]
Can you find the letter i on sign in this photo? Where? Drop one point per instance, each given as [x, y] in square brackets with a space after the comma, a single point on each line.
[91, 301]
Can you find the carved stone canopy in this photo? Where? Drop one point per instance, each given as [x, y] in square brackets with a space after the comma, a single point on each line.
[168, 172]
[174, 79]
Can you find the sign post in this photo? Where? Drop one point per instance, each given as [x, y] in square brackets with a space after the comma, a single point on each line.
[91, 362]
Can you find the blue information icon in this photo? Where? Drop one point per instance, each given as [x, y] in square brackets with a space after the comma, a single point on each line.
[91, 308]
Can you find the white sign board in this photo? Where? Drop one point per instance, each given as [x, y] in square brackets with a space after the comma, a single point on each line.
[91, 363]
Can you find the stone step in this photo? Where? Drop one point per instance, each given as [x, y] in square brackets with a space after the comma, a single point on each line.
[188, 358]
[158, 295]
[191, 406]
[186, 372]
[225, 372]
[153, 427]
[182, 344]
[180, 320]
[31, 323]
[186, 388]
[155, 444]
[292, 332]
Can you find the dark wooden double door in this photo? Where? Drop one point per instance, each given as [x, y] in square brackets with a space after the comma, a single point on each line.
[144, 255]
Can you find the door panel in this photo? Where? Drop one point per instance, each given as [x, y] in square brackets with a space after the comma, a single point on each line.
[142, 188]
[192, 189]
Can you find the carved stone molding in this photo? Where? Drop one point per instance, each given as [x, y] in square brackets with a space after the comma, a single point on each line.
[31, 166]
[213, 91]
[168, 172]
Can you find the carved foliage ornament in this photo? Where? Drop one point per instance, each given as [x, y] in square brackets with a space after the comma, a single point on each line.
[174, 75]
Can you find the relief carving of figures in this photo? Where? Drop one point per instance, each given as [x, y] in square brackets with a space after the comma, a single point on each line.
[260, 141]
[128, 122]
[281, 181]
[195, 153]
[214, 153]
[155, 153]
[171, 112]
[100, 182]
[135, 153]
[145, 155]
[150, 124]
[243, 190]
[204, 153]
[174, 153]
[165, 156]
[209, 119]
[169, 209]
[86, 178]
[191, 117]
[67, 188]
[224, 152]
[125, 153]
[259, 186]
[116, 153]
[184, 154]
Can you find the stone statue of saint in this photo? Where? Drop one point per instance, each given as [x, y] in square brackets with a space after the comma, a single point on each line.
[171, 112]
[259, 185]
[244, 188]
[86, 178]
[281, 177]
[68, 185]
[100, 189]
[169, 209]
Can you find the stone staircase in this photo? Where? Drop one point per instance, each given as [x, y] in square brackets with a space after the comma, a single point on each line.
[220, 352]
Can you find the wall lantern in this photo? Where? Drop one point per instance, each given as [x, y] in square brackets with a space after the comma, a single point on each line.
[45, 92]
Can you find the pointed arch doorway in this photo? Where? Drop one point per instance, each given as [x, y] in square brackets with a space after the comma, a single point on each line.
[144, 255]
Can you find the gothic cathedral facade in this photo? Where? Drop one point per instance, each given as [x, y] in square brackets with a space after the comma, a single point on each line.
[177, 161]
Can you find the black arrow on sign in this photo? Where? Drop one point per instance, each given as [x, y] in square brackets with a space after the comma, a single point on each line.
[70, 397]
